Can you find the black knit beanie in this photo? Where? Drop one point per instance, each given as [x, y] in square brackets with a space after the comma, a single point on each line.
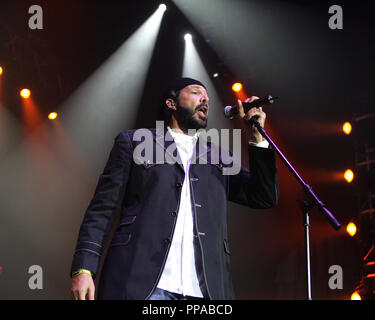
[180, 83]
[172, 92]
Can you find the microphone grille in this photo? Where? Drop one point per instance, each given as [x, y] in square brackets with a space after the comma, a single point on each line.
[227, 112]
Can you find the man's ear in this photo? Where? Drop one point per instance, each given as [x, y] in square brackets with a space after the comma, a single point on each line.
[170, 103]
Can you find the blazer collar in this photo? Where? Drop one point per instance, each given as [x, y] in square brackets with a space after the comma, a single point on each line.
[164, 139]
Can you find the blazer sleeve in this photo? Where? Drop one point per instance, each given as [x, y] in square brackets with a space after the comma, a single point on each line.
[104, 206]
[258, 187]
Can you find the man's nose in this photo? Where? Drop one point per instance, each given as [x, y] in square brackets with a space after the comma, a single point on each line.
[204, 99]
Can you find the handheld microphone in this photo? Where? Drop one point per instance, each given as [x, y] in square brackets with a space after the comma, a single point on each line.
[230, 111]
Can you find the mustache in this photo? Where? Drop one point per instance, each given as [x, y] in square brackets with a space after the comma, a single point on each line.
[201, 106]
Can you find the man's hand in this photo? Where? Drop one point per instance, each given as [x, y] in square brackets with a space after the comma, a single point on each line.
[254, 135]
[82, 287]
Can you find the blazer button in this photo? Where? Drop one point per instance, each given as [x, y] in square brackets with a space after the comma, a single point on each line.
[174, 213]
[178, 185]
[168, 240]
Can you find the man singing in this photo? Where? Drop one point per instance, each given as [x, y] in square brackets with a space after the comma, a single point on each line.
[171, 242]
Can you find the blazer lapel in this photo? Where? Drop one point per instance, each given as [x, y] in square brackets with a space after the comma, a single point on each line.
[167, 148]
[205, 152]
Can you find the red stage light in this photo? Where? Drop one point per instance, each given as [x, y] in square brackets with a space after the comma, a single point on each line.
[237, 87]
[355, 296]
[349, 175]
[347, 128]
[351, 229]
[25, 93]
[52, 115]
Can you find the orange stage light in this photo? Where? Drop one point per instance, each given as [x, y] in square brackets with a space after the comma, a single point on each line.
[237, 87]
[52, 116]
[347, 128]
[355, 296]
[1, 71]
[25, 93]
[349, 175]
[351, 229]
[32, 117]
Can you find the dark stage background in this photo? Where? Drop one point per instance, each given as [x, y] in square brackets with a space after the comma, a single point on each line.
[49, 169]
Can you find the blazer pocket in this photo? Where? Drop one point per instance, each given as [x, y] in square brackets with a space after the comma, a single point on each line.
[217, 165]
[126, 221]
[146, 164]
[221, 166]
[226, 247]
[121, 239]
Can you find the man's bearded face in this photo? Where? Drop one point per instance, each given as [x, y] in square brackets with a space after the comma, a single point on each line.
[192, 107]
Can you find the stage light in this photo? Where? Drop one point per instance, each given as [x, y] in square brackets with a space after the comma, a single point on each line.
[237, 87]
[351, 229]
[162, 7]
[193, 67]
[349, 175]
[347, 128]
[25, 93]
[52, 116]
[215, 75]
[99, 100]
[1, 71]
[188, 37]
[355, 296]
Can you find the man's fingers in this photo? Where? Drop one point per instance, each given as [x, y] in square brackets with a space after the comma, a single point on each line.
[254, 112]
[82, 287]
[82, 294]
[91, 293]
[251, 99]
[88, 293]
[75, 295]
[241, 111]
[72, 295]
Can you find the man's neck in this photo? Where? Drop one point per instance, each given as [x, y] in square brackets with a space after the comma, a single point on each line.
[173, 124]
[175, 127]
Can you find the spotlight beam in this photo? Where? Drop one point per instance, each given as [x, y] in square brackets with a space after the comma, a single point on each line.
[162, 7]
[193, 67]
[106, 103]
[188, 37]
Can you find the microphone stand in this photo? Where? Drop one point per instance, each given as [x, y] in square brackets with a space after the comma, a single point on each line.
[306, 205]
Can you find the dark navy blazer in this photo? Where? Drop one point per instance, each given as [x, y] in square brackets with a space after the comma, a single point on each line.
[147, 196]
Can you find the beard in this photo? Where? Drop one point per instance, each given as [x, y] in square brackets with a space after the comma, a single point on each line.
[187, 120]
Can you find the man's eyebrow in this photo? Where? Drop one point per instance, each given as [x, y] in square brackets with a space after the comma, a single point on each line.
[196, 87]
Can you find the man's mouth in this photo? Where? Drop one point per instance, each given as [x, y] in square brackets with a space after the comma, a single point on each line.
[202, 112]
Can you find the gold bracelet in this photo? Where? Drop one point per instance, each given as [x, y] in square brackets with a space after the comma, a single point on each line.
[81, 271]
